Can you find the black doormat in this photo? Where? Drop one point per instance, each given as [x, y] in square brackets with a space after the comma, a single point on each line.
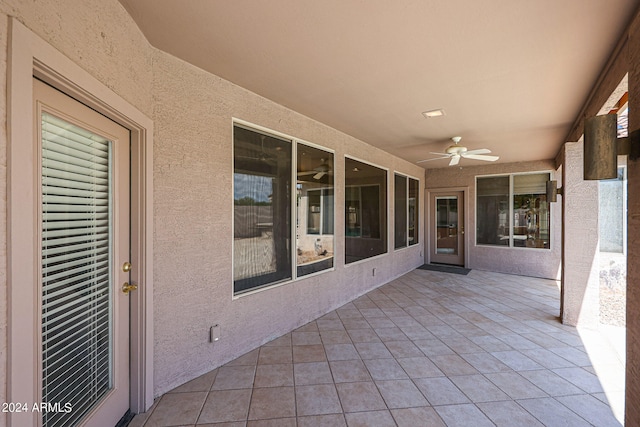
[445, 269]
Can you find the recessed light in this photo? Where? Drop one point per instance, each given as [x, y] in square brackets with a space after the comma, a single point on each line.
[433, 113]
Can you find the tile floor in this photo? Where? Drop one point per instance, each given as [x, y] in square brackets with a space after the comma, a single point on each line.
[428, 349]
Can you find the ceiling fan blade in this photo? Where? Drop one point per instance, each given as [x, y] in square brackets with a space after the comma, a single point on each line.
[319, 175]
[480, 157]
[454, 160]
[307, 173]
[436, 158]
[439, 154]
[478, 151]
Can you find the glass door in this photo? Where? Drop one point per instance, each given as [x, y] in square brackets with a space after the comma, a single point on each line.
[447, 228]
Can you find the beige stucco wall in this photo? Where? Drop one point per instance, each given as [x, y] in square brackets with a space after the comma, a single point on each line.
[527, 262]
[192, 112]
[193, 171]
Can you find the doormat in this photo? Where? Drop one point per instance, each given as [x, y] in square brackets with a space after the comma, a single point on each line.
[445, 269]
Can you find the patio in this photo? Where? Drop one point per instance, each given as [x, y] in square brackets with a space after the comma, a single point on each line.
[426, 349]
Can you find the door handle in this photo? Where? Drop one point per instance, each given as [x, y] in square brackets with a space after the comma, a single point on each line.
[126, 287]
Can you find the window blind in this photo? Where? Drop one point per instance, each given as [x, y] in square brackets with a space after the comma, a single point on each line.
[76, 252]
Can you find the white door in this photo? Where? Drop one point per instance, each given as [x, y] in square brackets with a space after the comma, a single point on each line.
[84, 340]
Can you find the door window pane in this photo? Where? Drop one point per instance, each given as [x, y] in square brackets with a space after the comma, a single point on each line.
[492, 206]
[77, 239]
[262, 209]
[447, 225]
[314, 227]
[365, 211]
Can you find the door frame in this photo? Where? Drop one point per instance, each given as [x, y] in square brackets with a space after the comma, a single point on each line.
[429, 192]
[30, 56]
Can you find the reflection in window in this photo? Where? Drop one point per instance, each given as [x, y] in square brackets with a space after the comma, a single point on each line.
[518, 218]
[314, 227]
[405, 211]
[530, 211]
[262, 209]
[365, 211]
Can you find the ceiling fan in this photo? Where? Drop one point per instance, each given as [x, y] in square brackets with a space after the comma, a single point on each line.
[455, 152]
[318, 172]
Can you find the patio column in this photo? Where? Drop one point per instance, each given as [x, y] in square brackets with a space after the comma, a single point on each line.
[632, 412]
[580, 304]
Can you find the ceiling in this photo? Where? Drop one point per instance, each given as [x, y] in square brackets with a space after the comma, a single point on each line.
[510, 75]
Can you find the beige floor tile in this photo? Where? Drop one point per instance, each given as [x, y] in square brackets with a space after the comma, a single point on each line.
[508, 414]
[363, 335]
[463, 416]
[453, 365]
[305, 338]
[373, 350]
[550, 412]
[274, 355]
[309, 353]
[335, 337]
[414, 417]
[226, 406]
[276, 422]
[420, 367]
[345, 371]
[440, 391]
[282, 341]
[330, 325]
[273, 402]
[312, 373]
[485, 362]
[309, 327]
[341, 352]
[401, 394]
[274, 375]
[515, 385]
[400, 349]
[332, 420]
[359, 397]
[177, 409]
[317, 399]
[478, 388]
[385, 369]
[370, 418]
[234, 377]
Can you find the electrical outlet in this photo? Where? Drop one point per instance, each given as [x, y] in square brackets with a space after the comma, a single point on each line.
[214, 333]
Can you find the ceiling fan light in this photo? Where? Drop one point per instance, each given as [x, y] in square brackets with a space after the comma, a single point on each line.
[433, 113]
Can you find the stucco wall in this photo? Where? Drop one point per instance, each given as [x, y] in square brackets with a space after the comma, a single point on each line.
[192, 111]
[527, 262]
[193, 171]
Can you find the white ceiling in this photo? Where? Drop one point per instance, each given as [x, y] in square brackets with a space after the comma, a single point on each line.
[510, 74]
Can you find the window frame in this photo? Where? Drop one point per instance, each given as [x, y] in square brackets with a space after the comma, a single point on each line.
[417, 224]
[293, 205]
[510, 246]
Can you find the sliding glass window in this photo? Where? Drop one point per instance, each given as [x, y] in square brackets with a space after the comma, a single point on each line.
[365, 211]
[263, 220]
[405, 211]
[512, 210]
